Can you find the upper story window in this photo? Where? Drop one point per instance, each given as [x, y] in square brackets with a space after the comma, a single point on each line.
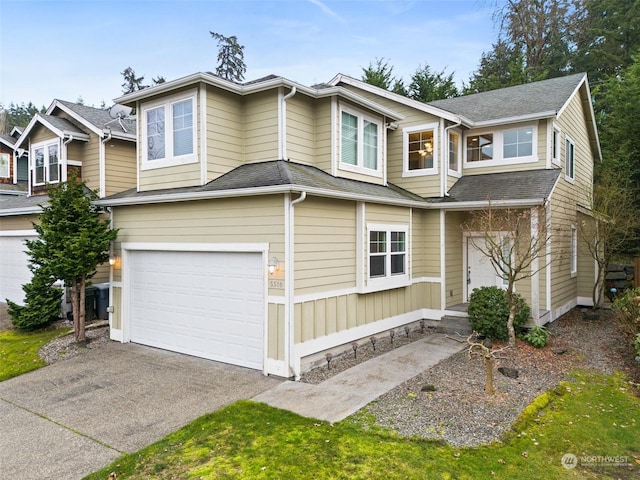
[570, 160]
[419, 150]
[501, 147]
[4, 165]
[454, 152]
[555, 146]
[360, 142]
[168, 132]
[46, 163]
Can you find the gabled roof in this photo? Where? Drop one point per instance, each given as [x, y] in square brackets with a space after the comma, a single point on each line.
[272, 177]
[7, 140]
[531, 187]
[61, 127]
[531, 100]
[98, 120]
[253, 86]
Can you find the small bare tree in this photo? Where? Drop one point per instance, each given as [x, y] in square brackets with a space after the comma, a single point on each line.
[515, 241]
[613, 222]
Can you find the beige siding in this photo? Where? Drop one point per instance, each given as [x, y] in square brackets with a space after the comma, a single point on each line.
[225, 137]
[17, 222]
[426, 243]
[586, 263]
[40, 133]
[300, 129]
[91, 162]
[454, 258]
[261, 126]
[275, 328]
[325, 245]
[116, 299]
[318, 318]
[120, 166]
[323, 134]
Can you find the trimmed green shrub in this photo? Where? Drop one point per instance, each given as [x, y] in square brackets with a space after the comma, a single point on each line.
[537, 336]
[489, 312]
[42, 304]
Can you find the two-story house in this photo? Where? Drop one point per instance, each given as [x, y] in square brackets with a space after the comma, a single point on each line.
[272, 222]
[98, 146]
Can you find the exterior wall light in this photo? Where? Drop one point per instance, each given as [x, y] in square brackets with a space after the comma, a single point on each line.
[274, 265]
[114, 260]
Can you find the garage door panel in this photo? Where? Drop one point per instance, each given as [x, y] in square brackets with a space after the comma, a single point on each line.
[208, 304]
[14, 271]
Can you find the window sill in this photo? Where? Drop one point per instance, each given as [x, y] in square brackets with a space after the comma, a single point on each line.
[169, 162]
[419, 173]
[387, 283]
[500, 162]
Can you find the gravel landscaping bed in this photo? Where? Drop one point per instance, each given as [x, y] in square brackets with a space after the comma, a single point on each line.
[64, 347]
[448, 403]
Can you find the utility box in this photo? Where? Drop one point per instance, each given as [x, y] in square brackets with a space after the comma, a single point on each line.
[102, 300]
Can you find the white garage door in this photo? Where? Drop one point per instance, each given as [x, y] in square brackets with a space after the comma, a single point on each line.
[207, 304]
[14, 269]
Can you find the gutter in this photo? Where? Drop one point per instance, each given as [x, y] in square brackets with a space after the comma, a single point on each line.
[102, 160]
[19, 211]
[480, 204]
[64, 148]
[283, 124]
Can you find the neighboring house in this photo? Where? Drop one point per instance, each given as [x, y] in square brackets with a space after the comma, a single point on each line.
[272, 222]
[69, 136]
[13, 165]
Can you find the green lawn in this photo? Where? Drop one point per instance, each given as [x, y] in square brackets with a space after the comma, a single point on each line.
[594, 416]
[19, 350]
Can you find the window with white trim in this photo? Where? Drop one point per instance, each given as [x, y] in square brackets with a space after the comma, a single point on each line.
[574, 250]
[501, 147]
[169, 132]
[555, 146]
[4, 165]
[387, 255]
[454, 150]
[570, 160]
[419, 149]
[360, 142]
[46, 163]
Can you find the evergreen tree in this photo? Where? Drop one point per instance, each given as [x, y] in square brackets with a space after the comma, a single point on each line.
[379, 74]
[502, 67]
[231, 64]
[72, 241]
[42, 301]
[427, 86]
[131, 82]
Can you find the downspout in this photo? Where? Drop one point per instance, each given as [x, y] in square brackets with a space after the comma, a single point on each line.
[445, 163]
[66, 166]
[103, 165]
[283, 129]
[294, 367]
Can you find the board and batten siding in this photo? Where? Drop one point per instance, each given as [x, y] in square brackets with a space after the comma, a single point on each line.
[325, 245]
[225, 135]
[261, 126]
[120, 166]
[300, 129]
[275, 328]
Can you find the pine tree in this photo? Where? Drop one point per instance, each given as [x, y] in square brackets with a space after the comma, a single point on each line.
[73, 239]
[231, 64]
[42, 301]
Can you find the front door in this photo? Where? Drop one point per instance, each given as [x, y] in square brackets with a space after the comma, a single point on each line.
[480, 272]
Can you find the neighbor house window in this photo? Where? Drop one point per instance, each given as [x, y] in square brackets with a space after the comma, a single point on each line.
[555, 146]
[570, 160]
[419, 150]
[4, 165]
[388, 254]
[169, 132]
[360, 141]
[574, 250]
[46, 163]
[480, 147]
[517, 143]
[454, 151]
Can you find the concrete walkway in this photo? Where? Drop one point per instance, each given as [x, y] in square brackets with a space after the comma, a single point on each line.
[347, 392]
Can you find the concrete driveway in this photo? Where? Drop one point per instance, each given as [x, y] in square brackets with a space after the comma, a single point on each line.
[69, 419]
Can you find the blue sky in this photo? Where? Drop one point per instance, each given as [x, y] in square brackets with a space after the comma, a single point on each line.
[69, 49]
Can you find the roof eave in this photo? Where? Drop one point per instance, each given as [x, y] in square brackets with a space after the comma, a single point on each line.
[20, 211]
[511, 120]
[484, 204]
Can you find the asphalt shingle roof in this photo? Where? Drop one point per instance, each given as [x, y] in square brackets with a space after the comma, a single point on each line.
[282, 173]
[101, 118]
[521, 100]
[61, 124]
[525, 185]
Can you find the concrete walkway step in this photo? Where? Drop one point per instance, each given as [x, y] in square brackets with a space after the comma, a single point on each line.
[452, 325]
[347, 392]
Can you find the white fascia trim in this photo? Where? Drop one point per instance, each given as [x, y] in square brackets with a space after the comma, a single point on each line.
[517, 119]
[276, 299]
[573, 94]
[340, 78]
[204, 161]
[276, 189]
[332, 340]
[166, 87]
[60, 133]
[18, 233]
[478, 205]
[7, 143]
[75, 116]
[20, 211]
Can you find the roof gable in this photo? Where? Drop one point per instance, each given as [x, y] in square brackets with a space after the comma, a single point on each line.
[59, 126]
[97, 120]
